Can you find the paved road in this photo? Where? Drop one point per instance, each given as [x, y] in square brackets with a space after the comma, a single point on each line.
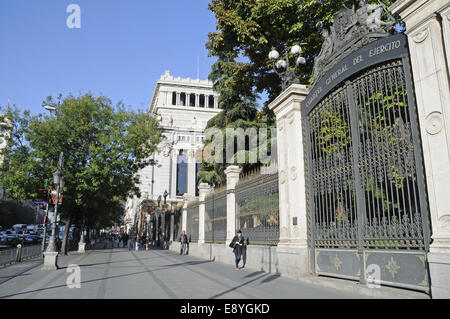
[119, 273]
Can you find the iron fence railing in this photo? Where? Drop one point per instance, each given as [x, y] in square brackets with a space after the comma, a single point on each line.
[192, 220]
[19, 253]
[257, 208]
[216, 217]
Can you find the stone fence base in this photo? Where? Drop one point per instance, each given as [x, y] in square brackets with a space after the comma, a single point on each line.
[290, 262]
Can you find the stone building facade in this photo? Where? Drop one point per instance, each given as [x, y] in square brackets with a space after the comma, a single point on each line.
[183, 107]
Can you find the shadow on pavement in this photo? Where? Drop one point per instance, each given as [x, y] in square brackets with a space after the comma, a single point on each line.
[270, 278]
[254, 274]
[82, 282]
[237, 287]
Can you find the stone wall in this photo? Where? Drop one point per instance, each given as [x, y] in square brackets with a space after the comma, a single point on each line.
[270, 259]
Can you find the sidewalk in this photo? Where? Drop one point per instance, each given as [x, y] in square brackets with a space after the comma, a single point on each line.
[156, 274]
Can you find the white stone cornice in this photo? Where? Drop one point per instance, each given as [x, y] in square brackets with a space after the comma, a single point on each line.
[407, 9]
[288, 99]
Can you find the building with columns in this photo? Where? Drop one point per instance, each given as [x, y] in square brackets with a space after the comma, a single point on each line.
[183, 107]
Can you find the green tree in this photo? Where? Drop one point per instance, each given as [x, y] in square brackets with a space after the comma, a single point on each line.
[104, 147]
[247, 29]
[12, 212]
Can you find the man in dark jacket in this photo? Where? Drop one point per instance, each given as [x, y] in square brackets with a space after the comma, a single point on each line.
[184, 243]
[238, 247]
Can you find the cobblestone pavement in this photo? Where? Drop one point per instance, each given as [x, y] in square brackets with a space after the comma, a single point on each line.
[162, 274]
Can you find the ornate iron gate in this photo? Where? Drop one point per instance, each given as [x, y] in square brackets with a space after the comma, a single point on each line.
[367, 205]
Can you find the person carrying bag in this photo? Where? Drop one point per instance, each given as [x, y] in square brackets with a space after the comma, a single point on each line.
[238, 247]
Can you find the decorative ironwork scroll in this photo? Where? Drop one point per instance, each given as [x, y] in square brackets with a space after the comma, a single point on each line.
[216, 217]
[192, 220]
[257, 209]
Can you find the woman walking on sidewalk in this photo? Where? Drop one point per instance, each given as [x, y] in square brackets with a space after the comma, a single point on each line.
[238, 246]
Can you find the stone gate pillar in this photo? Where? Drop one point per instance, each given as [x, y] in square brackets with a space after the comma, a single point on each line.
[293, 244]
[232, 173]
[428, 30]
[204, 189]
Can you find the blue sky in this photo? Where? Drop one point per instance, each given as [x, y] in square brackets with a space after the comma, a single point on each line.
[121, 50]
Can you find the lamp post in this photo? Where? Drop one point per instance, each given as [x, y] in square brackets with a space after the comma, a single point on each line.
[158, 216]
[44, 240]
[282, 66]
[51, 254]
[82, 242]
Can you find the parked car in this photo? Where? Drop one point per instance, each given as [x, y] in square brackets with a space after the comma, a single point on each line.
[20, 234]
[19, 227]
[31, 239]
[11, 238]
[2, 238]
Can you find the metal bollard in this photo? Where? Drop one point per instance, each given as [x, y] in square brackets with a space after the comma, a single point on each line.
[19, 253]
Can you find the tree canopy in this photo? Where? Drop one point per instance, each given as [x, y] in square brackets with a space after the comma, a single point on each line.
[104, 146]
[246, 31]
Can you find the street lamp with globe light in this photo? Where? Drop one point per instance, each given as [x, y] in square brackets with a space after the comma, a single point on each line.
[282, 66]
[51, 254]
[49, 108]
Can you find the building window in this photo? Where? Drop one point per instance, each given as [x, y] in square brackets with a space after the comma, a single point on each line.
[202, 100]
[174, 98]
[211, 102]
[183, 99]
[181, 174]
[192, 100]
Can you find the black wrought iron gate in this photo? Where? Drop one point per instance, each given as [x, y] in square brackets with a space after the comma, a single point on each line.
[368, 211]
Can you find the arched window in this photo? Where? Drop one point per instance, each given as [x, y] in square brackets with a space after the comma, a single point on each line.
[174, 98]
[181, 174]
[183, 99]
[211, 101]
[192, 100]
[202, 100]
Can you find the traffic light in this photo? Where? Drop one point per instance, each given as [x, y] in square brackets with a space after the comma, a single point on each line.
[53, 192]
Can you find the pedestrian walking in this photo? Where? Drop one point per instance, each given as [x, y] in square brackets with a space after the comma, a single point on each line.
[129, 242]
[137, 243]
[125, 240]
[184, 243]
[238, 246]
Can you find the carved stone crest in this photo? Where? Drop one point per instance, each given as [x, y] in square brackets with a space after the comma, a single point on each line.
[350, 31]
[166, 147]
